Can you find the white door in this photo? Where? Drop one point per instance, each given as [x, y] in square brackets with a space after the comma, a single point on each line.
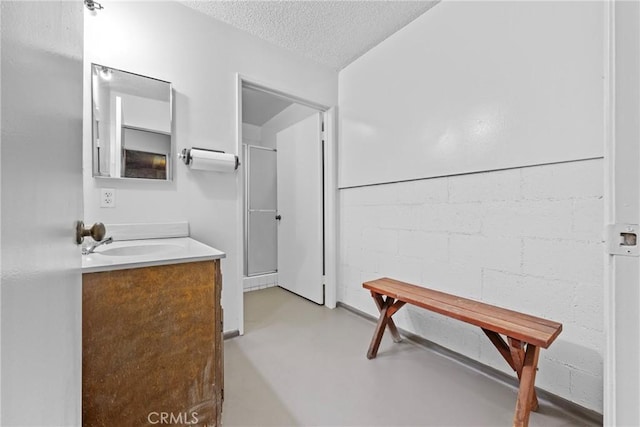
[622, 358]
[300, 240]
[42, 76]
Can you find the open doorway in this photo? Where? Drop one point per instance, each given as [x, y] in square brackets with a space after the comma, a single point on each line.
[284, 142]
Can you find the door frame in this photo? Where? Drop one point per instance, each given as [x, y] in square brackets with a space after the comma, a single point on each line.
[330, 179]
[622, 206]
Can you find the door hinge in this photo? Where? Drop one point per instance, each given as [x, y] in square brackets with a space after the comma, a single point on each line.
[324, 293]
[622, 239]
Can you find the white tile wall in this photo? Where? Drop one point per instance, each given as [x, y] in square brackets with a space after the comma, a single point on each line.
[263, 281]
[529, 239]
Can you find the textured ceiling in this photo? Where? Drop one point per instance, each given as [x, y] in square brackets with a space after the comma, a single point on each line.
[333, 33]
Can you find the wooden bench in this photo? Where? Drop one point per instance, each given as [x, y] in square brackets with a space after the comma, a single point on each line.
[525, 334]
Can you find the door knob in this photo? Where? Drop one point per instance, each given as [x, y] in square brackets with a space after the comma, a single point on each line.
[97, 231]
[278, 217]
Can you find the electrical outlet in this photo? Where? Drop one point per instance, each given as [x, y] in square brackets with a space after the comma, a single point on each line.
[107, 198]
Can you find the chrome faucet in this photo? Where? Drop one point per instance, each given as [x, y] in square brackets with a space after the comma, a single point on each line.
[90, 249]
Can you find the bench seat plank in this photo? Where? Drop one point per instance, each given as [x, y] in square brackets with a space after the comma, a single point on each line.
[530, 329]
[391, 283]
[422, 294]
[477, 305]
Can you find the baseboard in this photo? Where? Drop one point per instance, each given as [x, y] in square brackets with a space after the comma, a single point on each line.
[230, 334]
[567, 405]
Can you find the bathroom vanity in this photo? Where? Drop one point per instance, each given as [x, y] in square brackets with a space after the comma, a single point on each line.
[152, 334]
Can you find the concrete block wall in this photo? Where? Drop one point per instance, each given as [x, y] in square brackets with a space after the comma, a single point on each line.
[529, 239]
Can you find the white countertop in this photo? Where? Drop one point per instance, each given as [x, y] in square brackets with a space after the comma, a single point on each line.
[126, 254]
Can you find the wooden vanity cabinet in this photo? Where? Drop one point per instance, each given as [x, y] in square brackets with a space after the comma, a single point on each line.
[152, 346]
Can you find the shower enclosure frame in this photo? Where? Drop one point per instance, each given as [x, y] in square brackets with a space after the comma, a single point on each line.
[247, 210]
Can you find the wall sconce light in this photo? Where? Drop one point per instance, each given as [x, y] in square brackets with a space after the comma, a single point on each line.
[93, 5]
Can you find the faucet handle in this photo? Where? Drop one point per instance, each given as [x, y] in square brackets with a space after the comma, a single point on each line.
[97, 231]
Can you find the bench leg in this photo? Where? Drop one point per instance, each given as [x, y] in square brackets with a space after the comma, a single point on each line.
[526, 392]
[518, 357]
[525, 364]
[501, 346]
[390, 323]
[387, 309]
[379, 331]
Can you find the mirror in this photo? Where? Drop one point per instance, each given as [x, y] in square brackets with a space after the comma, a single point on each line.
[131, 125]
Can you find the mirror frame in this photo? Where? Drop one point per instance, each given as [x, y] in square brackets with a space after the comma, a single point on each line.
[171, 158]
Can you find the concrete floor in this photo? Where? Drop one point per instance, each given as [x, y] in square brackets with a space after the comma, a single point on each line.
[300, 364]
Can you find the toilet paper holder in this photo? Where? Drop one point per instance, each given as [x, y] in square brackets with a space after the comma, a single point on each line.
[185, 155]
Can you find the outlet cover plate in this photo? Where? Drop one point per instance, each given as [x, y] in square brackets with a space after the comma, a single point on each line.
[107, 198]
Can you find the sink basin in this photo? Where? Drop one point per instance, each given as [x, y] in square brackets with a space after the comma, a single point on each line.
[138, 250]
[125, 254]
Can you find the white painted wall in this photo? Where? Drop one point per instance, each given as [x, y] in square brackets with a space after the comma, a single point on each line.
[41, 199]
[251, 134]
[473, 86]
[200, 57]
[527, 238]
[286, 118]
[146, 113]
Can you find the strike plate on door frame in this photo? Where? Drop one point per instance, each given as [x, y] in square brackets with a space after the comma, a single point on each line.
[622, 239]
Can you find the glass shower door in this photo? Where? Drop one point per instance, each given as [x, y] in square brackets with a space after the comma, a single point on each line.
[261, 228]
